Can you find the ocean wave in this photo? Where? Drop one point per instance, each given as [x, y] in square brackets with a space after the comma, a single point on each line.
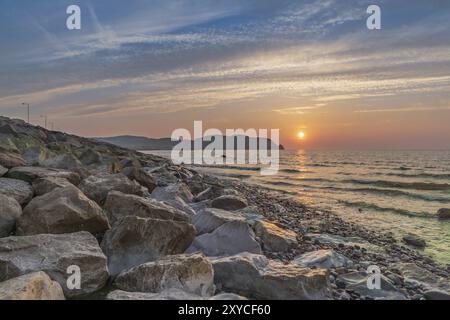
[402, 185]
[417, 175]
[371, 206]
[393, 193]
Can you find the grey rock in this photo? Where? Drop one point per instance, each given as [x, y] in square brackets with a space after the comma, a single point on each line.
[444, 213]
[228, 296]
[209, 219]
[357, 282]
[17, 189]
[29, 174]
[171, 191]
[3, 171]
[53, 254]
[90, 157]
[414, 275]
[133, 241]
[229, 239]
[45, 185]
[97, 187]
[10, 159]
[10, 211]
[190, 273]
[170, 294]
[325, 259]
[119, 205]
[63, 210]
[257, 277]
[141, 177]
[414, 241]
[229, 202]
[436, 295]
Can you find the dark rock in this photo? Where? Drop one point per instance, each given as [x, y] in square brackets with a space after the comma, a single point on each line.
[45, 185]
[133, 241]
[97, 187]
[414, 241]
[17, 189]
[436, 295]
[229, 202]
[10, 211]
[444, 213]
[29, 174]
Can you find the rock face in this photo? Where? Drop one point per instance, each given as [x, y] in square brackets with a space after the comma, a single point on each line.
[436, 295]
[170, 294]
[140, 176]
[133, 241]
[229, 239]
[42, 186]
[444, 213]
[17, 189]
[32, 286]
[97, 187]
[414, 241]
[172, 191]
[176, 195]
[3, 171]
[63, 210]
[89, 157]
[10, 211]
[10, 160]
[190, 273]
[229, 202]
[274, 238]
[324, 259]
[416, 276]
[119, 205]
[29, 174]
[64, 161]
[357, 282]
[257, 277]
[53, 254]
[209, 219]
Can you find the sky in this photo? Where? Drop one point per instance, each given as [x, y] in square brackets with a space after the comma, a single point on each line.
[145, 68]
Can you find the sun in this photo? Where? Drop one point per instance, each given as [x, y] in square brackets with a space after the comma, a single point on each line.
[301, 135]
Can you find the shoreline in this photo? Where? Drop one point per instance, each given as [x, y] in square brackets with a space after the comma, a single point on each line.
[141, 227]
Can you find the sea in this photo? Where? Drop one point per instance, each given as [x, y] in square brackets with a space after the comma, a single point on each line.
[389, 191]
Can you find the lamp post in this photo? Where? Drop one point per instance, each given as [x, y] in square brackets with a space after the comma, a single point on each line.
[45, 120]
[28, 110]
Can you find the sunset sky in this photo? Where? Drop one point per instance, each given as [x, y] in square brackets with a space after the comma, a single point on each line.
[146, 67]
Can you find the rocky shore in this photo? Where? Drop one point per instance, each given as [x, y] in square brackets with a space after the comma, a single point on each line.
[137, 227]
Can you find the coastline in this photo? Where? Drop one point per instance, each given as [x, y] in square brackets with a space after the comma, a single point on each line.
[136, 224]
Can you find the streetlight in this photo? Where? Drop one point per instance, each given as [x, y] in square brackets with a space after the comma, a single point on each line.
[52, 125]
[45, 118]
[28, 109]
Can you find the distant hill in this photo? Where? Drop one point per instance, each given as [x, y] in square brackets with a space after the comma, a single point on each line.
[144, 143]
